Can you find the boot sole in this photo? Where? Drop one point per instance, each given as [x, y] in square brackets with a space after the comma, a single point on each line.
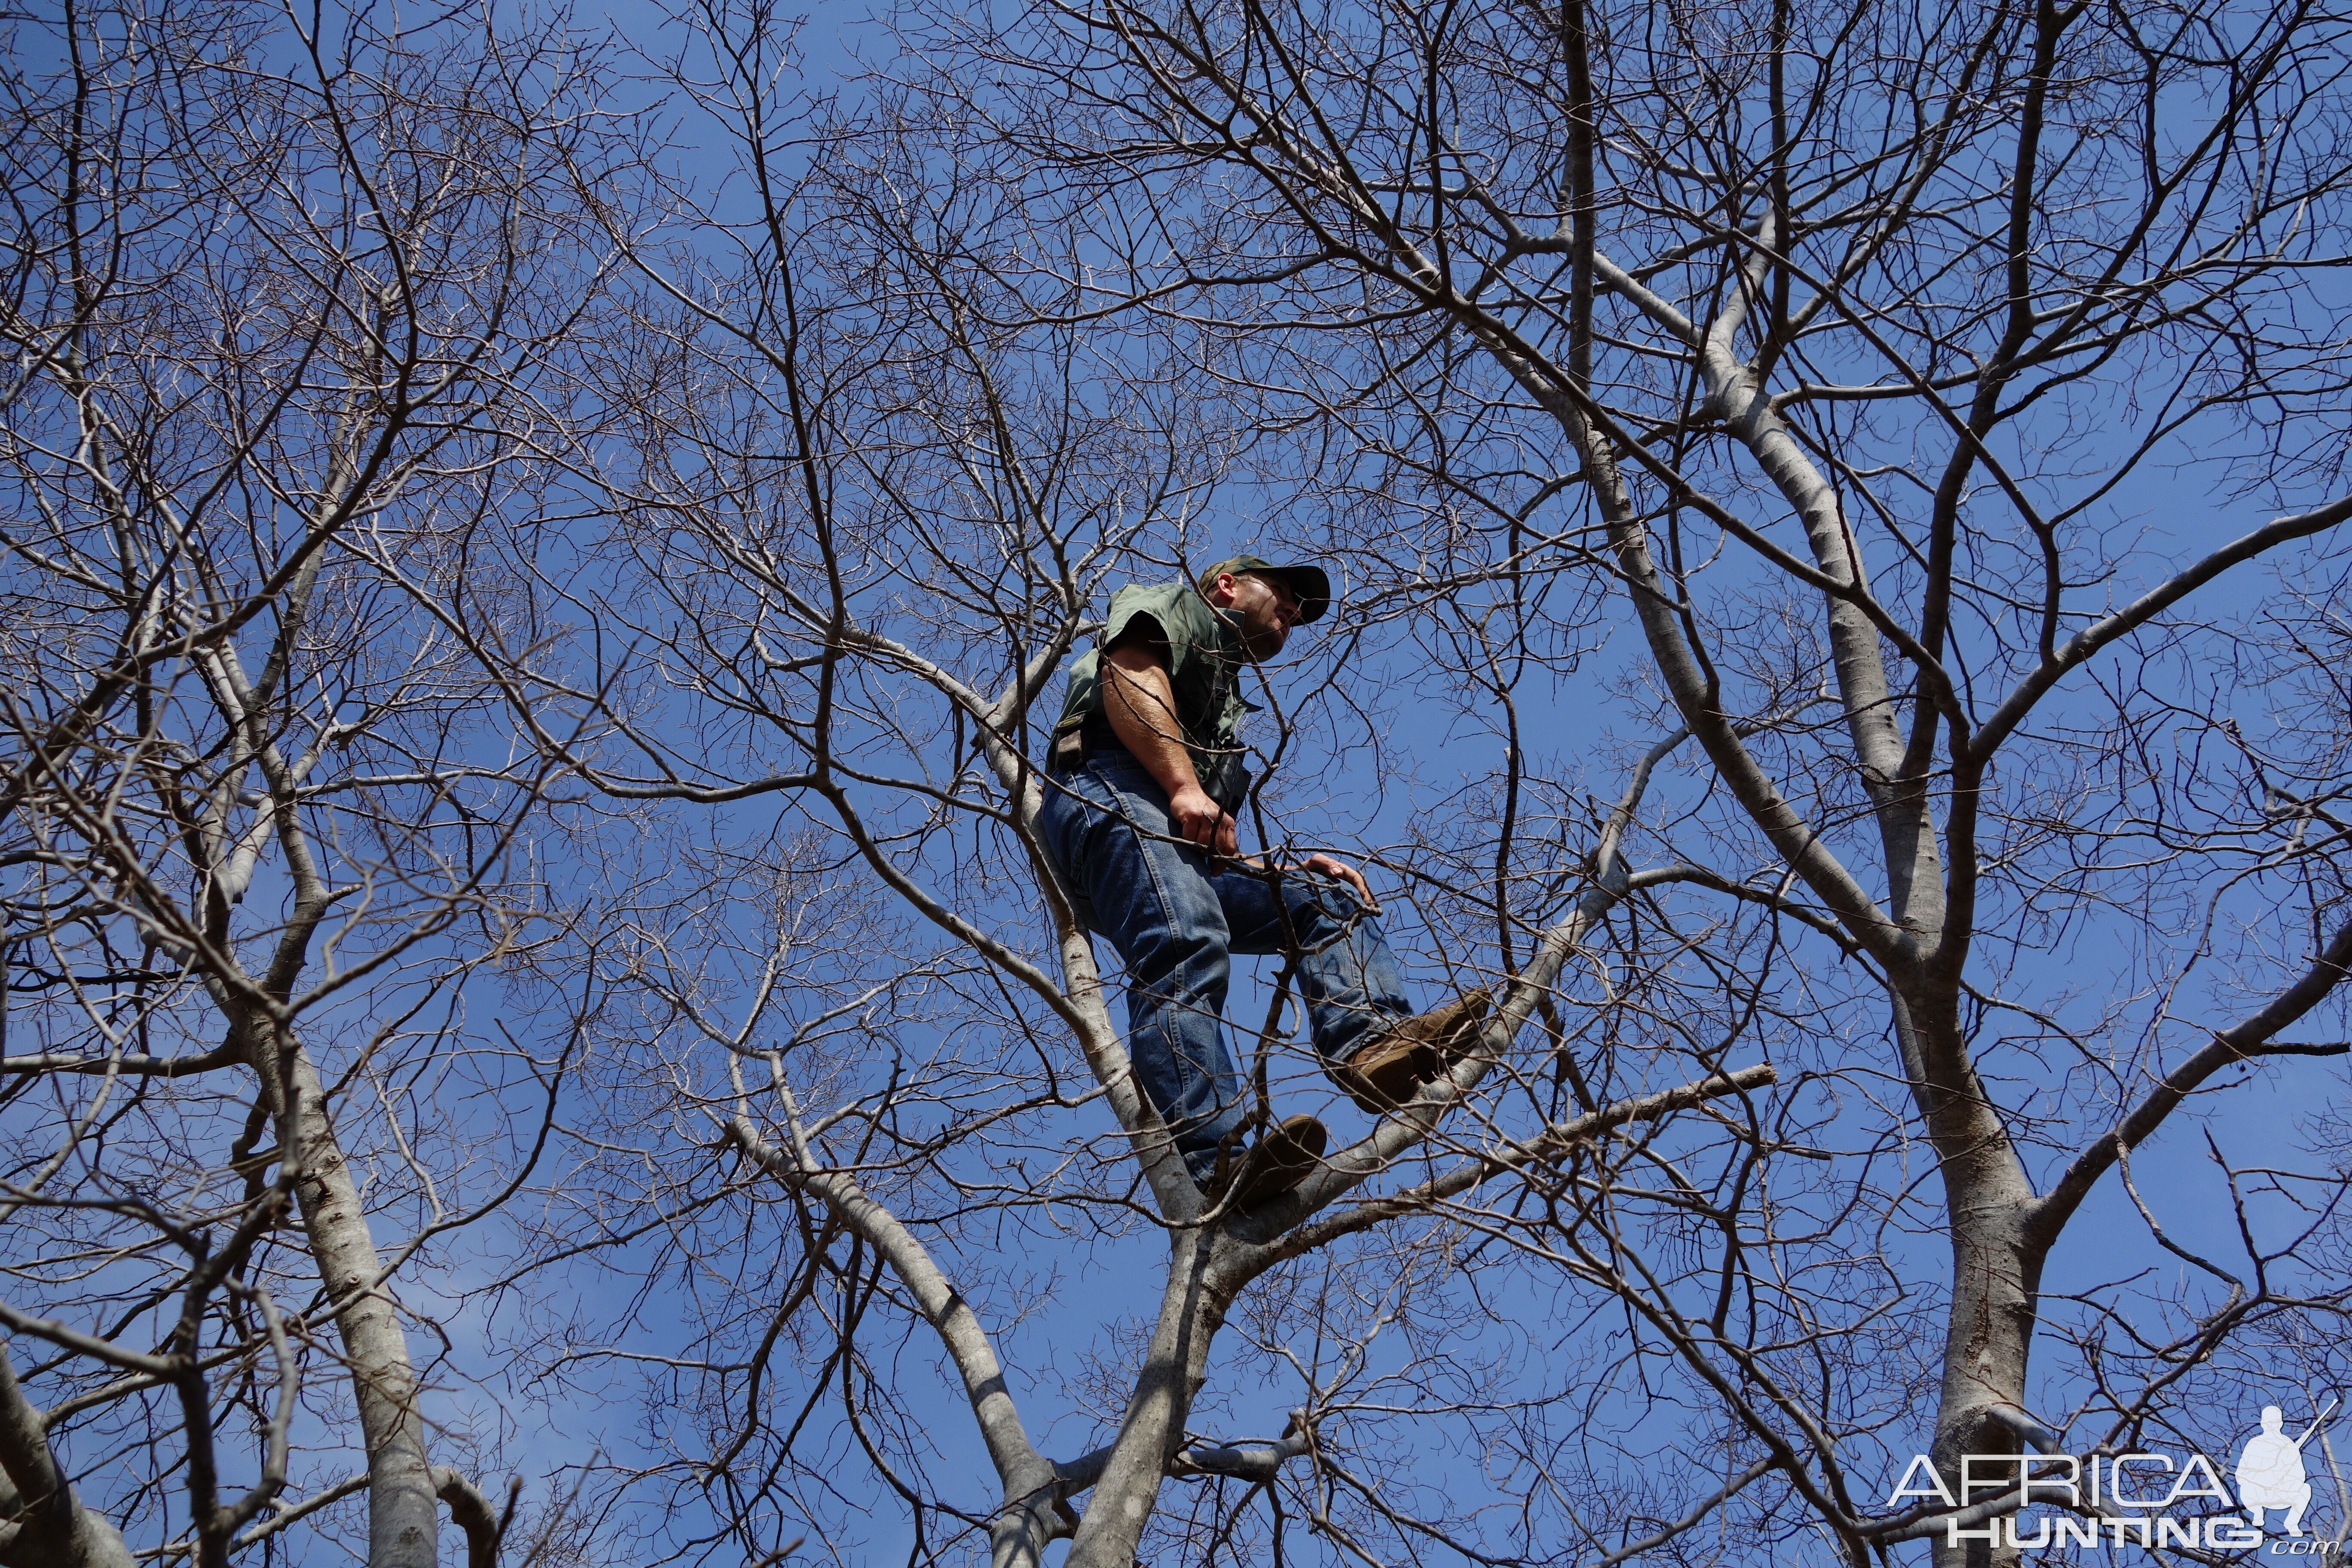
[1280, 1161]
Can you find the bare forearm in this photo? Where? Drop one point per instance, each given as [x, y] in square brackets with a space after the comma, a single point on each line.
[1140, 704]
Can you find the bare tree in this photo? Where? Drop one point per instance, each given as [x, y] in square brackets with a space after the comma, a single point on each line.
[280, 292]
[1863, 917]
[864, 502]
[1844, 346]
[1834, 353]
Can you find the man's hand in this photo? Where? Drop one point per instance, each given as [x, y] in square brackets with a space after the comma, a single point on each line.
[1203, 821]
[1331, 867]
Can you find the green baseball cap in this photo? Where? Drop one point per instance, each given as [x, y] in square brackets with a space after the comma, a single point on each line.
[1311, 584]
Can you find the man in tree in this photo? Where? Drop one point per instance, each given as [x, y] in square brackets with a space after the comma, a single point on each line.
[1149, 772]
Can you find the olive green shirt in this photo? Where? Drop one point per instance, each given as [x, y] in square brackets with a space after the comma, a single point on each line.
[1204, 656]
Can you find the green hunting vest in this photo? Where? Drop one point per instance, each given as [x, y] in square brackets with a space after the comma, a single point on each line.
[1204, 664]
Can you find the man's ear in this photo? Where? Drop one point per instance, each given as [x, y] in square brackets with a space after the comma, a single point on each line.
[1220, 591]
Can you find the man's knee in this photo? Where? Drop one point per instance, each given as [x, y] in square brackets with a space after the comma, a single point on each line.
[1179, 966]
[1320, 907]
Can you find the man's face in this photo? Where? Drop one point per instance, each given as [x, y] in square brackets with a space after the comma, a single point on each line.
[1263, 608]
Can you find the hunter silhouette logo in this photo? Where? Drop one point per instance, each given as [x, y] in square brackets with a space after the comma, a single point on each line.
[2085, 1497]
[2271, 1473]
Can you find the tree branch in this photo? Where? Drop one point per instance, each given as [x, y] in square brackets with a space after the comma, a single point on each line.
[1545, 1147]
[2245, 1042]
[470, 1511]
[2140, 612]
[959, 1328]
[50, 1529]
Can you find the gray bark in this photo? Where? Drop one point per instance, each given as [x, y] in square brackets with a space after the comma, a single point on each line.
[403, 1519]
[472, 1514]
[1192, 1310]
[46, 1525]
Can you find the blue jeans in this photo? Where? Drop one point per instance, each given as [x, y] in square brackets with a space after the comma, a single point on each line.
[1175, 922]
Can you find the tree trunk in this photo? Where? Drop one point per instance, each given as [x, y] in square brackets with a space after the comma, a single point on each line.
[404, 1521]
[1190, 1315]
[1017, 1537]
[1996, 1265]
[1990, 1334]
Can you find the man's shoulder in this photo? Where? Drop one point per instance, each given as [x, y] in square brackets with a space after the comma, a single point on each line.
[1181, 615]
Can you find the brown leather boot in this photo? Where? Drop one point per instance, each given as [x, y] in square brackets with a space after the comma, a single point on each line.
[1279, 1162]
[1391, 1069]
